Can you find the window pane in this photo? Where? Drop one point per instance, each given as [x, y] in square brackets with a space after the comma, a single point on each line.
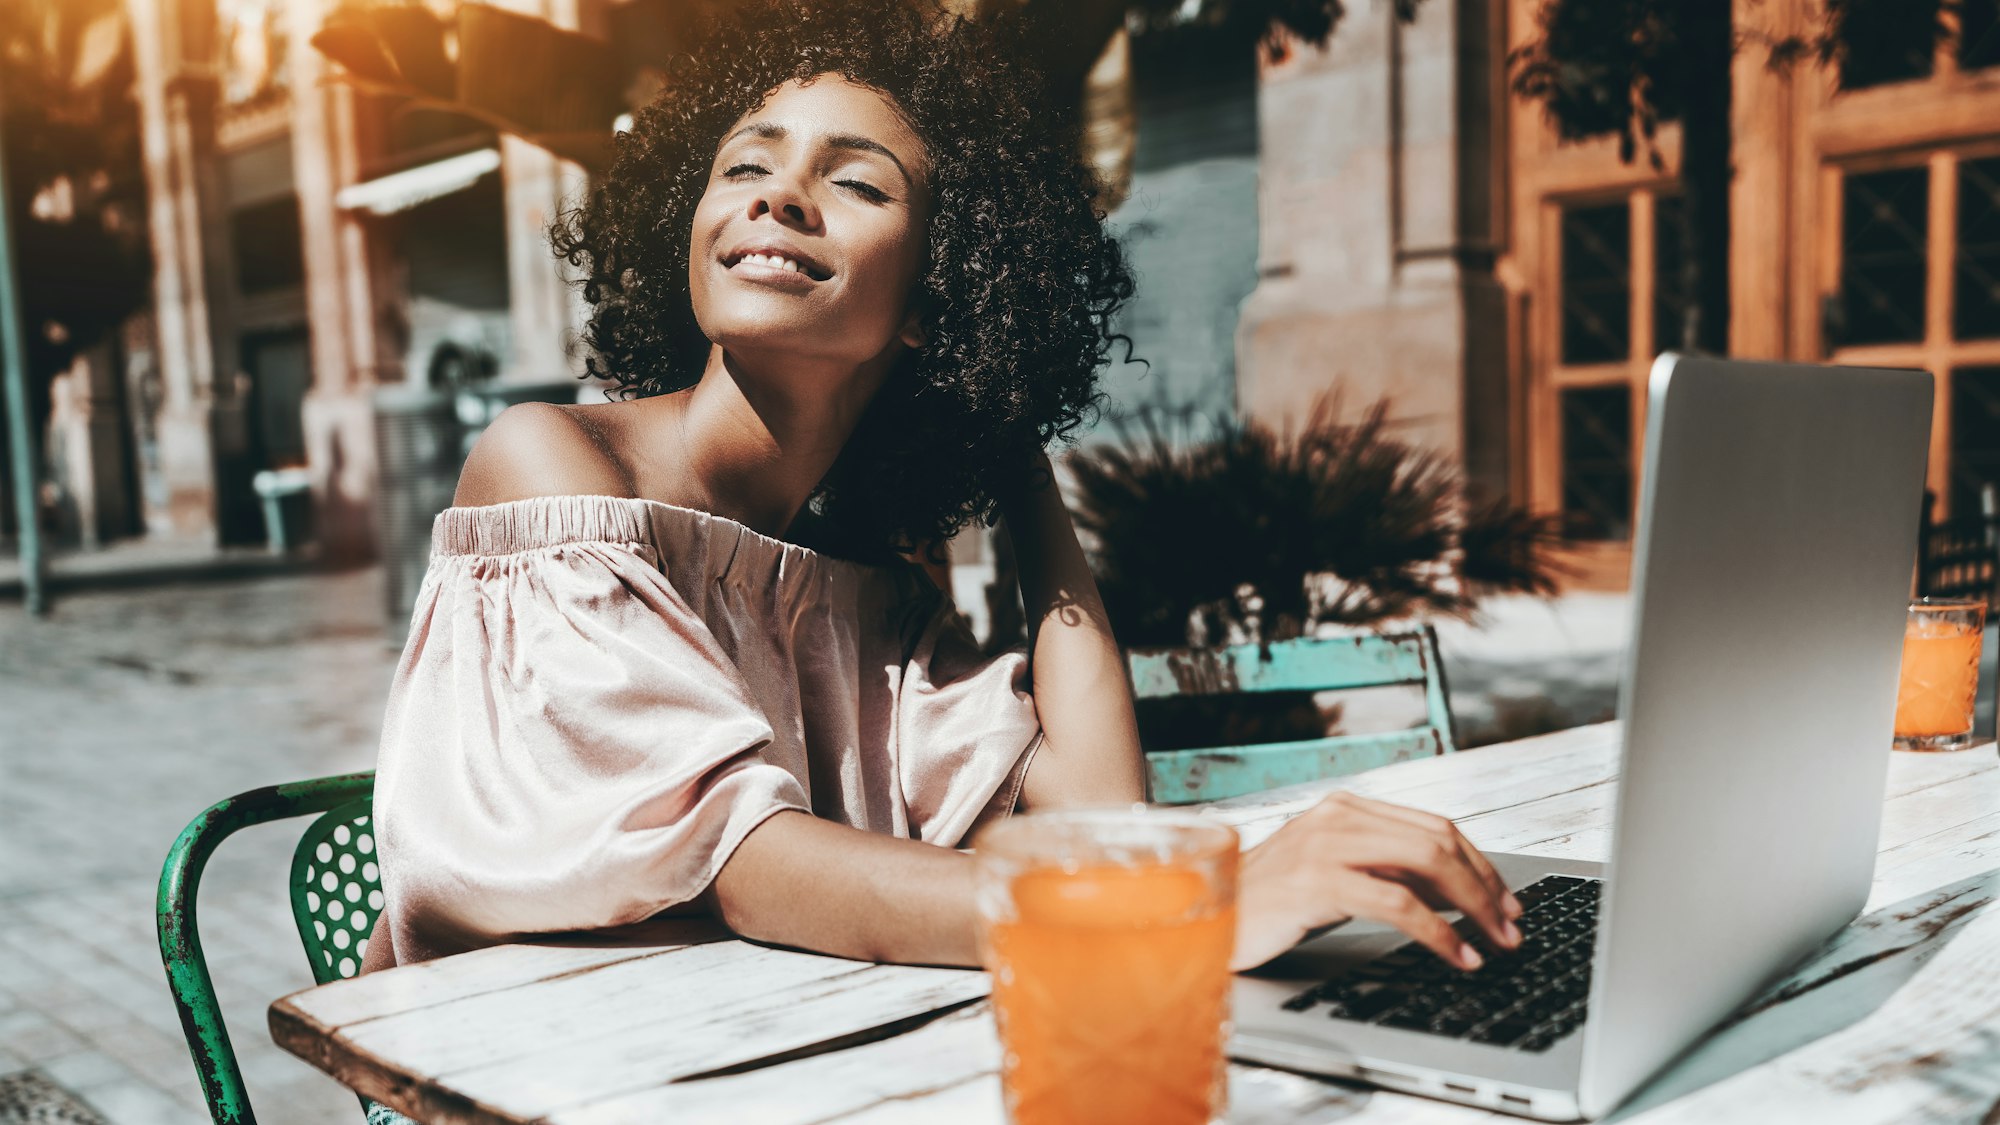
[1597, 461]
[1596, 284]
[1976, 284]
[1979, 33]
[1670, 298]
[1884, 222]
[1975, 436]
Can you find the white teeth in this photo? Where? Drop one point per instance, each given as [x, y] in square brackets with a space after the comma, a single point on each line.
[772, 261]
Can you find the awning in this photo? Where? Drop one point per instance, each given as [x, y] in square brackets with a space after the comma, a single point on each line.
[400, 191]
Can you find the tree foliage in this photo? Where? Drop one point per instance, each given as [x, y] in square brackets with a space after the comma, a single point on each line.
[1624, 67]
[75, 191]
[562, 90]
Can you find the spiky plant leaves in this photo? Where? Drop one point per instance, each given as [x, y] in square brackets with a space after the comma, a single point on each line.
[1333, 522]
[1503, 549]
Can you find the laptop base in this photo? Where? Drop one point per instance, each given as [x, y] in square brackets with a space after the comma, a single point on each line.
[1541, 1085]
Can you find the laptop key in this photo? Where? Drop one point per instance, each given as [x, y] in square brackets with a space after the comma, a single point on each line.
[1503, 1033]
[1368, 1005]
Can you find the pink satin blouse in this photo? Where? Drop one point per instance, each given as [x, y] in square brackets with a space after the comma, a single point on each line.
[600, 697]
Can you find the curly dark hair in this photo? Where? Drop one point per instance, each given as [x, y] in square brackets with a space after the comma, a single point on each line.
[1016, 295]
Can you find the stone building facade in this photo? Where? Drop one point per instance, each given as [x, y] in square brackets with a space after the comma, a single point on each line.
[1378, 218]
[312, 244]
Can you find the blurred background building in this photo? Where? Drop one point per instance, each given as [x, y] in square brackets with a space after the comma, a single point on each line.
[1383, 215]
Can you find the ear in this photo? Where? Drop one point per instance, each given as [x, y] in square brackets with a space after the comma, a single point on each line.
[913, 333]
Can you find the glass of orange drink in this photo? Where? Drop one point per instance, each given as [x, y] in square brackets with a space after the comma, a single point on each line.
[1108, 936]
[1940, 679]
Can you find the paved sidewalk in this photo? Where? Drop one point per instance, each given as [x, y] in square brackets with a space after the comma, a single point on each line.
[149, 561]
[124, 713]
[1528, 666]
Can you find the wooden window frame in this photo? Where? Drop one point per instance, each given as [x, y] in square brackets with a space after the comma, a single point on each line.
[1938, 352]
[1598, 564]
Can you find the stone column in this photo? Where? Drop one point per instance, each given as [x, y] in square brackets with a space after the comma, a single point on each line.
[349, 357]
[546, 310]
[172, 43]
[1374, 221]
[89, 450]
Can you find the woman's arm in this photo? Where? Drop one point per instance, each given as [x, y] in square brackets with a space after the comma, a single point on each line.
[800, 881]
[1090, 750]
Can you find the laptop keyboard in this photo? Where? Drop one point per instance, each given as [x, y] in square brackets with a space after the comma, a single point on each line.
[1527, 998]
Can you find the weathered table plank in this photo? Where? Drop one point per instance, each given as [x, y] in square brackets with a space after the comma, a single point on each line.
[676, 1021]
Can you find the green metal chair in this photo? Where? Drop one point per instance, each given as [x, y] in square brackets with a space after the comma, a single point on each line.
[1317, 664]
[336, 891]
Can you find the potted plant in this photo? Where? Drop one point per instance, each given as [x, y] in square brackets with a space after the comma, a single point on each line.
[1211, 531]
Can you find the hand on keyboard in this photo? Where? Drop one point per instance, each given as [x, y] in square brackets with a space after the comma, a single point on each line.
[1529, 999]
[1350, 857]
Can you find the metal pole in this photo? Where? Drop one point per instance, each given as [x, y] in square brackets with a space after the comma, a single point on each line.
[20, 435]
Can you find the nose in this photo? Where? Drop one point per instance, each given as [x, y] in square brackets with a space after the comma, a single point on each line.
[785, 200]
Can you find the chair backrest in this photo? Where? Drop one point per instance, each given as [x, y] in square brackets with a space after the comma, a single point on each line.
[180, 931]
[336, 890]
[1310, 664]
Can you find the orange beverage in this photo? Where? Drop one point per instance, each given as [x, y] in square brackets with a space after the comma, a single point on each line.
[1940, 674]
[1111, 970]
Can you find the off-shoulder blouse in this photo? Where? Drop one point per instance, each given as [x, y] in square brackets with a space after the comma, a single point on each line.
[601, 696]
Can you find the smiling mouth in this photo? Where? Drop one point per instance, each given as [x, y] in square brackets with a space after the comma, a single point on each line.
[775, 265]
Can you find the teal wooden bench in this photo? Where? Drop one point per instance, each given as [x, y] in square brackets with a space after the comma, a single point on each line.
[1177, 777]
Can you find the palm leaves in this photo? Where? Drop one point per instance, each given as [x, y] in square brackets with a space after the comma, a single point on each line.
[1220, 527]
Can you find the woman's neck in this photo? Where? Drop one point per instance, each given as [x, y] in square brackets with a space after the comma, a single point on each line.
[756, 435]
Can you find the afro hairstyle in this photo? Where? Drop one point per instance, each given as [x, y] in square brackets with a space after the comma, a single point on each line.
[1018, 290]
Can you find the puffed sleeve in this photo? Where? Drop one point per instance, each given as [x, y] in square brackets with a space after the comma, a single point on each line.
[566, 746]
[966, 729]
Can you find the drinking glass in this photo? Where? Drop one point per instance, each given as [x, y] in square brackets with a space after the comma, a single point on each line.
[1940, 673]
[1108, 934]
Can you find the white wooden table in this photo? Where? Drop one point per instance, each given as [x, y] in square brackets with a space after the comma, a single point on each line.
[1896, 1020]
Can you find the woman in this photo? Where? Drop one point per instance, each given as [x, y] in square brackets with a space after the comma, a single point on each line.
[848, 273]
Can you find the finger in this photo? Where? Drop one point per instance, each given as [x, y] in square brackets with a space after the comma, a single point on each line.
[1509, 939]
[1476, 858]
[1391, 903]
[1434, 861]
[1427, 852]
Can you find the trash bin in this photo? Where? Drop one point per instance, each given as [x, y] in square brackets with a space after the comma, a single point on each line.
[421, 438]
[287, 498]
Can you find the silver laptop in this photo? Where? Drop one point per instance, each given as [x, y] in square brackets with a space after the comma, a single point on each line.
[1777, 531]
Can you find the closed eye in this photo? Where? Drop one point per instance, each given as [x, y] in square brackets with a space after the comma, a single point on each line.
[866, 190]
[732, 172]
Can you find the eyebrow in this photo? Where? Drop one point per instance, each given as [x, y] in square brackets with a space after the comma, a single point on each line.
[772, 131]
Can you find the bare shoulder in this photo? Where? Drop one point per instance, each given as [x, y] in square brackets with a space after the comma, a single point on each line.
[542, 449]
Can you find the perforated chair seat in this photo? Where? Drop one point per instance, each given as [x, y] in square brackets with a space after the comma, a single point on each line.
[336, 888]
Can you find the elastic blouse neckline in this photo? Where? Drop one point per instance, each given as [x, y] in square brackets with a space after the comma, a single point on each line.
[536, 522]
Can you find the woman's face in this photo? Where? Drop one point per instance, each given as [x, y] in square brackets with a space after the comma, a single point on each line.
[809, 237]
